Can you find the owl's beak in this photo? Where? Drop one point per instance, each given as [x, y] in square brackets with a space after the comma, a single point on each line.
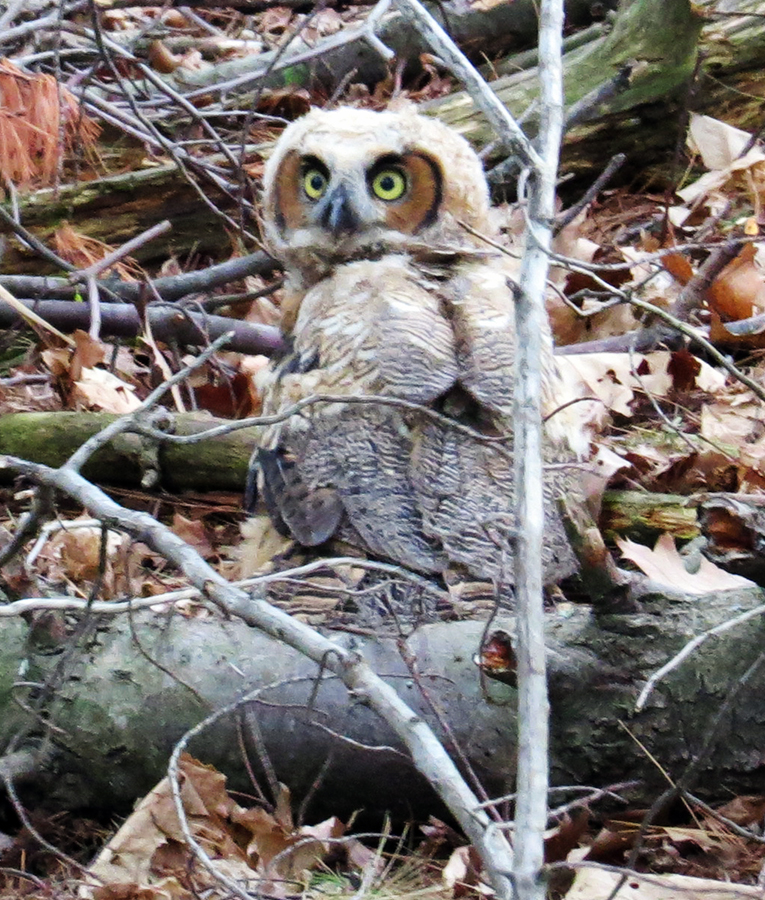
[338, 215]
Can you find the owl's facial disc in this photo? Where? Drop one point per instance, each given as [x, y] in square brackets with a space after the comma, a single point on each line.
[357, 203]
[341, 211]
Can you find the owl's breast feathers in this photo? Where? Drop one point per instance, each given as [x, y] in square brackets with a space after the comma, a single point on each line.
[400, 481]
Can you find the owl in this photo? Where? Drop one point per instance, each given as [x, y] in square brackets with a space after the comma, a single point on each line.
[400, 325]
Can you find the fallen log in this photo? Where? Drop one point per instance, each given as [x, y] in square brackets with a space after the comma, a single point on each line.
[220, 464]
[130, 695]
[50, 438]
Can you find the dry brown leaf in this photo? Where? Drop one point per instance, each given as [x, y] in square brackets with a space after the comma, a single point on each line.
[733, 419]
[738, 292]
[562, 839]
[275, 20]
[745, 811]
[99, 389]
[613, 378]
[278, 852]
[593, 884]
[81, 554]
[74, 555]
[194, 533]
[324, 23]
[161, 58]
[720, 146]
[58, 360]
[148, 853]
[664, 565]
[698, 836]
[88, 353]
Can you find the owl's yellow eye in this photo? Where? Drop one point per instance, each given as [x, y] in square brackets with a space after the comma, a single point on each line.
[389, 184]
[314, 183]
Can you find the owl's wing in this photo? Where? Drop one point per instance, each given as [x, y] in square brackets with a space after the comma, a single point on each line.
[373, 328]
[364, 451]
[311, 516]
[416, 349]
[484, 331]
[465, 489]
[465, 485]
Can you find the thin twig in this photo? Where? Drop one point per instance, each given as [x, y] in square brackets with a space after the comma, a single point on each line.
[507, 129]
[533, 701]
[121, 252]
[689, 648]
[30, 604]
[568, 216]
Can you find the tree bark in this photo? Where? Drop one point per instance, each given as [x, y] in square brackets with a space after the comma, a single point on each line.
[114, 210]
[119, 715]
[170, 324]
[664, 59]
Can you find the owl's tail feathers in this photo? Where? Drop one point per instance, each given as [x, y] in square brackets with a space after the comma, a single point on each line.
[310, 516]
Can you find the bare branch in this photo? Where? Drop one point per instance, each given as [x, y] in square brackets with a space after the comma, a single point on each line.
[533, 703]
[428, 755]
[168, 323]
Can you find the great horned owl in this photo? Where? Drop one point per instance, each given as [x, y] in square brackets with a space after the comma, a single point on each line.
[389, 298]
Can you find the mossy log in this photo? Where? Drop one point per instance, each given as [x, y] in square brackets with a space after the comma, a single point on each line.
[130, 459]
[643, 516]
[660, 41]
[114, 210]
[220, 464]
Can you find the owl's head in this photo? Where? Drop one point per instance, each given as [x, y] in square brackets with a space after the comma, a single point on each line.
[352, 184]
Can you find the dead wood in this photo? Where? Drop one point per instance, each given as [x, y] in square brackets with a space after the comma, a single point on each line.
[734, 526]
[483, 30]
[168, 288]
[668, 57]
[115, 209]
[171, 324]
[643, 119]
[118, 714]
[218, 463]
[643, 516]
